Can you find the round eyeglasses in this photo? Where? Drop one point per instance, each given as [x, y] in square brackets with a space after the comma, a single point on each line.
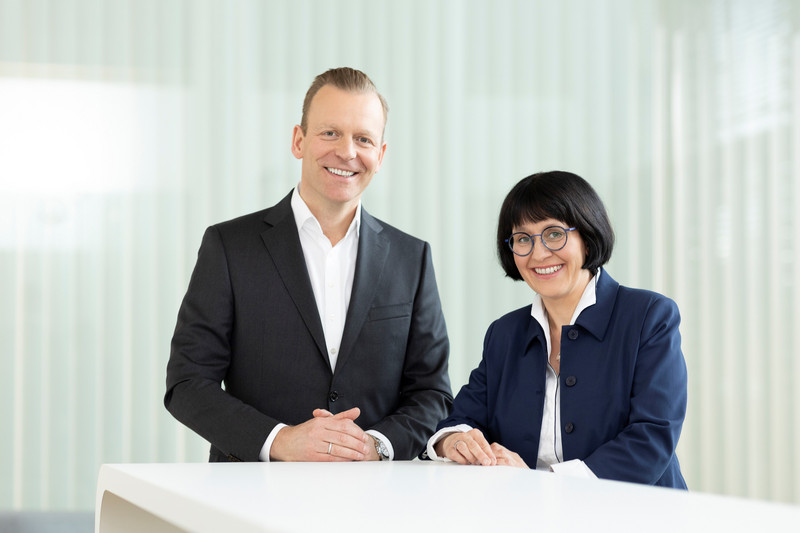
[554, 238]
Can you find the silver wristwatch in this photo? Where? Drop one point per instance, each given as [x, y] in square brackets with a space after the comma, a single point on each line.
[380, 447]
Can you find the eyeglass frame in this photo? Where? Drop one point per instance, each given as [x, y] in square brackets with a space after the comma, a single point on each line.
[533, 240]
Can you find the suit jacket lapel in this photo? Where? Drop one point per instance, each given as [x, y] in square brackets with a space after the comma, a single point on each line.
[283, 245]
[373, 250]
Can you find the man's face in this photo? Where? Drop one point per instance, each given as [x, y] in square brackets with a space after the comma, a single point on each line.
[341, 149]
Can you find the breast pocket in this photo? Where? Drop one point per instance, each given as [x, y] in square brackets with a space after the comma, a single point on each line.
[386, 312]
[385, 333]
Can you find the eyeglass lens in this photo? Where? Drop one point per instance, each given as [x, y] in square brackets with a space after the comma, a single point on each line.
[553, 237]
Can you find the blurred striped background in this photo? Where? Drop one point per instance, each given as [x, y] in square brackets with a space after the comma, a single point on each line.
[128, 126]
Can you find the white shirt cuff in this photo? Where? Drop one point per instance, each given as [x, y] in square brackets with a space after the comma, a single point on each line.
[439, 435]
[573, 468]
[264, 454]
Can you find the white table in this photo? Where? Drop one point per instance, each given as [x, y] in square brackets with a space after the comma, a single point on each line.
[405, 496]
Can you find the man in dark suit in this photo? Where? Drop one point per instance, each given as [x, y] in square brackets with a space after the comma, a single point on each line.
[323, 323]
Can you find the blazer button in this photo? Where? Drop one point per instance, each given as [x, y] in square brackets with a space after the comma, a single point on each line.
[333, 396]
[571, 380]
[569, 428]
[573, 334]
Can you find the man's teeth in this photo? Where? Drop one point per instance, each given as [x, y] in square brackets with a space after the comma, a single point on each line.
[548, 270]
[343, 173]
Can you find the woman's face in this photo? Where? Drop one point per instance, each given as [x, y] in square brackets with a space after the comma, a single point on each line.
[555, 276]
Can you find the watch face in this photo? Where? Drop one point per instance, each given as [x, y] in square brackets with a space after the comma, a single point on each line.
[383, 453]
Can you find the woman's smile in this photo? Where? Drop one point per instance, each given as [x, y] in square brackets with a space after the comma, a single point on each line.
[546, 271]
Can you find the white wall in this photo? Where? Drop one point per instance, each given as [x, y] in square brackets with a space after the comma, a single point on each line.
[128, 126]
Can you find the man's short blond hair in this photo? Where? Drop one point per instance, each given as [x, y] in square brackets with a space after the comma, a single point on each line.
[346, 79]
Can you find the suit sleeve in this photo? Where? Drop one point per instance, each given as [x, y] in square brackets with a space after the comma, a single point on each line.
[471, 405]
[424, 395]
[200, 357]
[643, 450]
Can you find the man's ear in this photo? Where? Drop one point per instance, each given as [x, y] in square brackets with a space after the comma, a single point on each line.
[380, 157]
[297, 142]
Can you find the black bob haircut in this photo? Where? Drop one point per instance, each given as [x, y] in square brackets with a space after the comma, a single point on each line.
[563, 196]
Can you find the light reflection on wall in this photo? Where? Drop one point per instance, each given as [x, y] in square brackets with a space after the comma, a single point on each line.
[63, 142]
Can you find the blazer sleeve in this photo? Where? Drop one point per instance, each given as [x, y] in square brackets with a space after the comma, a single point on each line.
[645, 447]
[424, 394]
[503, 397]
[200, 357]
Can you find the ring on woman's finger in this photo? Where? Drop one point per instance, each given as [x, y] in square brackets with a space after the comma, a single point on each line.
[330, 446]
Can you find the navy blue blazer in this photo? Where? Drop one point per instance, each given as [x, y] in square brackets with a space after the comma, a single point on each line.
[623, 386]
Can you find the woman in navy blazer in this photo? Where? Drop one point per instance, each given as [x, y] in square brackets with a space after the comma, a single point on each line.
[590, 378]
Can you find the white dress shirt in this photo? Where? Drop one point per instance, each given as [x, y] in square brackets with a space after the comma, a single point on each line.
[550, 455]
[331, 270]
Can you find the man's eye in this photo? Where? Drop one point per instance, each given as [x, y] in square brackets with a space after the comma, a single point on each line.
[364, 140]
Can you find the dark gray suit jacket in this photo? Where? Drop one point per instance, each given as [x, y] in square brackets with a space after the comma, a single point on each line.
[249, 320]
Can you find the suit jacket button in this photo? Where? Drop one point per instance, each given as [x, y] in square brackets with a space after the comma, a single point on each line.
[333, 396]
[569, 428]
[573, 334]
[571, 380]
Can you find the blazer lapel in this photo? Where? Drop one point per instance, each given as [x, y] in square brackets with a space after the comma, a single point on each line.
[534, 340]
[283, 245]
[597, 317]
[372, 253]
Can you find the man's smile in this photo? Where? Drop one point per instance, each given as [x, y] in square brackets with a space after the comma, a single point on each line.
[340, 172]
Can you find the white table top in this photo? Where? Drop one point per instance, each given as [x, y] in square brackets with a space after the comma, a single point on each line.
[420, 496]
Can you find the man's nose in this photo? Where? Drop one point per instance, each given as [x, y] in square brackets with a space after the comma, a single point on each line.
[346, 149]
